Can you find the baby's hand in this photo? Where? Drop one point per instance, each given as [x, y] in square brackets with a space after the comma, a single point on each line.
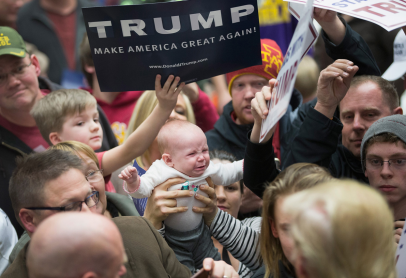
[130, 176]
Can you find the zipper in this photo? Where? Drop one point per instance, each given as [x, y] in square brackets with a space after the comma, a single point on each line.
[13, 148]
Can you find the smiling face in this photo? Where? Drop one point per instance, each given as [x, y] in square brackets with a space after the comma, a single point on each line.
[90, 166]
[189, 152]
[243, 90]
[389, 180]
[360, 108]
[229, 197]
[84, 127]
[19, 93]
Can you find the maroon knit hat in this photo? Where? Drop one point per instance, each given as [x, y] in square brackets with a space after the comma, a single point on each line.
[272, 60]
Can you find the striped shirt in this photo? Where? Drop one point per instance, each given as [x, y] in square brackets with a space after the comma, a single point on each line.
[241, 239]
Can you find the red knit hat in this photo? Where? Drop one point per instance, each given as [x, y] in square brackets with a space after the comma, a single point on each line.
[272, 60]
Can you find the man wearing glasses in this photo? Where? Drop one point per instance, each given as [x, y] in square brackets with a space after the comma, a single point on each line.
[52, 181]
[384, 161]
[20, 88]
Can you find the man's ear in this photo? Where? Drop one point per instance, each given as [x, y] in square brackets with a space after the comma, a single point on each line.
[35, 62]
[89, 274]
[54, 138]
[167, 159]
[273, 228]
[398, 111]
[28, 219]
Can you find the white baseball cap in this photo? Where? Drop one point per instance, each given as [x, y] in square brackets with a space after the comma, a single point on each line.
[398, 67]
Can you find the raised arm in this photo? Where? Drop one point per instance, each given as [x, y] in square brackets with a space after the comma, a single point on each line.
[342, 42]
[317, 139]
[259, 159]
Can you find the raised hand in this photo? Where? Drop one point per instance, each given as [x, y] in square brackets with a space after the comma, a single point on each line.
[192, 91]
[331, 24]
[259, 110]
[333, 84]
[168, 94]
[324, 16]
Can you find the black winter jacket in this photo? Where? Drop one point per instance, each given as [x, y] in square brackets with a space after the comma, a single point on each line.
[11, 147]
[319, 142]
[259, 166]
[232, 138]
[317, 139]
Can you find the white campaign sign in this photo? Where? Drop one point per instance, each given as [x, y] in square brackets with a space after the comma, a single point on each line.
[390, 14]
[401, 255]
[303, 38]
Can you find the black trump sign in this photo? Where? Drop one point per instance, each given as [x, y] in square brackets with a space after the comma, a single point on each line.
[195, 40]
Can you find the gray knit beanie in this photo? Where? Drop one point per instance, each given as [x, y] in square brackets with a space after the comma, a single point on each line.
[395, 124]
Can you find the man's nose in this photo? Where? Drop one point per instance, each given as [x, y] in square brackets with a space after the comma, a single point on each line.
[12, 80]
[358, 123]
[250, 92]
[85, 208]
[386, 171]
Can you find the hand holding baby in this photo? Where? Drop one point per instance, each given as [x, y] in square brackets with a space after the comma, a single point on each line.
[130, 176]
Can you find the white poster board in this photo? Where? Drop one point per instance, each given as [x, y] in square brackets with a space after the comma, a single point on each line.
[389, 14]
[401, 255]
[303, 38]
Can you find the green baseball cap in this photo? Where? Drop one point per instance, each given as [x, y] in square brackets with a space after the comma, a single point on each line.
[11, 42]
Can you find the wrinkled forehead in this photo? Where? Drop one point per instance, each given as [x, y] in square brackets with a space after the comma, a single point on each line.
[363, 96]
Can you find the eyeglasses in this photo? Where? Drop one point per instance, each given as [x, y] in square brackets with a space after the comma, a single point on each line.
[90, 201]
[18, 72]
[375, 164]
[95, 176]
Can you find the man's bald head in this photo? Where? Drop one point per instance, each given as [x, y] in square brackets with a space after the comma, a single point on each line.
[170, 135]
[73, 245]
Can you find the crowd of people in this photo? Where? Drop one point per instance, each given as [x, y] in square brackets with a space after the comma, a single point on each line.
[322, 195]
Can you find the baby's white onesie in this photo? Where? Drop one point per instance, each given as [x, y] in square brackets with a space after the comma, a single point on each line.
[221, 174]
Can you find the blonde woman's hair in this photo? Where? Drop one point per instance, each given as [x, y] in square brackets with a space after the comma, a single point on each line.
[144, 107]
[51, 111]
[307, 76]
[295, 178]
[77, 148]
[342, 229]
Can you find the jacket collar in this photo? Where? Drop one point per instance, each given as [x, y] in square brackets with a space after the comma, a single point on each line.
[233, 132]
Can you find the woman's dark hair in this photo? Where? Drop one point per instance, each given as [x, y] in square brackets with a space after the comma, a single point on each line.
[223, 155]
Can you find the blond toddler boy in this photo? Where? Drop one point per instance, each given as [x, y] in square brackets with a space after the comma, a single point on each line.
[71, 114]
